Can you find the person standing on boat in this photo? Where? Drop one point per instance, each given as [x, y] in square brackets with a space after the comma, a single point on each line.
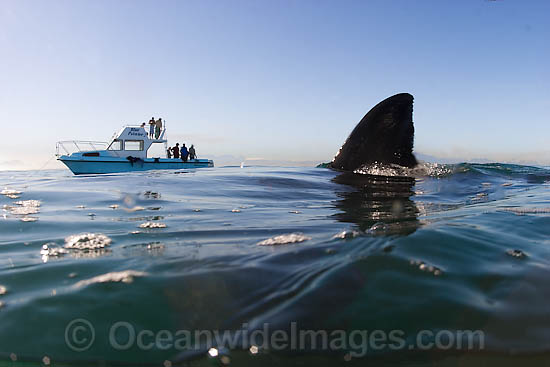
[184, 153]
[151, 127]
[176, 150]
[158, 125]
[192, 153]
[169, 153]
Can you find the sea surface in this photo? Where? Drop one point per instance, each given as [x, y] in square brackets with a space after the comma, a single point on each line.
[125, 269]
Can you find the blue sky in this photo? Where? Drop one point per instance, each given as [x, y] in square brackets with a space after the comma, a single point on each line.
[279, 80]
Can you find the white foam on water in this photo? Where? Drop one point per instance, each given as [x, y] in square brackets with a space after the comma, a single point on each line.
[87, 241]
[152, 225]
[7, 192]
[29, 219]
[126, 276]
[394, 170]
[24, 207]
[284, 239]
[51, 249]
[346, 234]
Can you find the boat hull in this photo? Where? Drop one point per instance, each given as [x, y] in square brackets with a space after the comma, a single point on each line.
[102, 165]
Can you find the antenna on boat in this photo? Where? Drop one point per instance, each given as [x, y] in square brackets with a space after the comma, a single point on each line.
[165, 141]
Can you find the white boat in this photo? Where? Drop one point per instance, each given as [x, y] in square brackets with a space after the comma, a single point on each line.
[126, 152]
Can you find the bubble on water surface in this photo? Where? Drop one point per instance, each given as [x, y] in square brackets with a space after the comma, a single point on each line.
[426, 267]
[284, 239]
[253, 349]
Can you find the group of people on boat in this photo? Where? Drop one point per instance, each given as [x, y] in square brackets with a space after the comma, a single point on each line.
[155, 128]
[182, 152]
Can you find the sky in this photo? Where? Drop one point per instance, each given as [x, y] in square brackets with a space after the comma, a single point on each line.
[281, 81]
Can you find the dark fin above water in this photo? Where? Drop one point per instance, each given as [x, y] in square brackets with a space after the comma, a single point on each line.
[385, 135]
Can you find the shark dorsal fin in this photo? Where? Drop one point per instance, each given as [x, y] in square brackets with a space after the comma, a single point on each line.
[385, 135]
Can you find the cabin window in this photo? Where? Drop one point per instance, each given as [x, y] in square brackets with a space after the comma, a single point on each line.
[115, 145]
[133, 145]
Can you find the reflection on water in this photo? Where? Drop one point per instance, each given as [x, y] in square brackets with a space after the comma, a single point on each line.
[380, 201]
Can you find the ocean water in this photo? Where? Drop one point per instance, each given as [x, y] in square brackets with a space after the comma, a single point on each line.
[154, 268]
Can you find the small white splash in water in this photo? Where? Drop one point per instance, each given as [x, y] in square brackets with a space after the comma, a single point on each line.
[284, 239]
[377, 228]
[518, 254]
[87, 241]
[235, 211]
[3, 290]
[152, 225]
[29, 219]
[126, 276]
[422, 169]
[7, 192]
[346, 234]
[53, 250]
[28, 203]
[24, 207]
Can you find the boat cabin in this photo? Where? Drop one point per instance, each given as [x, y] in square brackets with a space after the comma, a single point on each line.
[133, 141]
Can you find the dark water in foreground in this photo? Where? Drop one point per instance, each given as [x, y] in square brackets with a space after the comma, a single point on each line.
[389, 270]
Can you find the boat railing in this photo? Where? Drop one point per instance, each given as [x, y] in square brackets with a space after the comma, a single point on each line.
[72, 146]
